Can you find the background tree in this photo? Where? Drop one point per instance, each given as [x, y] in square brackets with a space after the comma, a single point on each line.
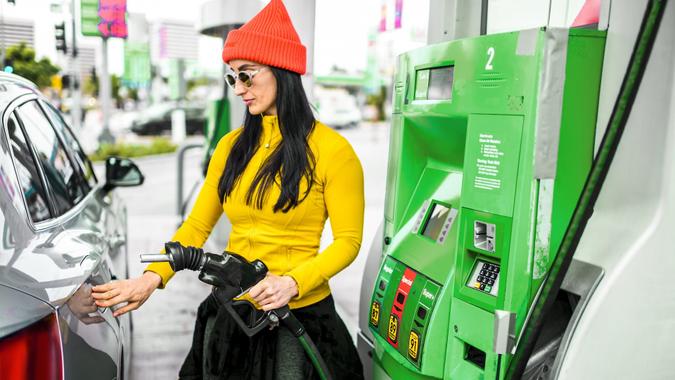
[116, 83]
[22, 59]
[91, 83]
[92, 86]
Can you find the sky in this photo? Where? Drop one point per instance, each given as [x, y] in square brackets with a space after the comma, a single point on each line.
[341, 29]
[342, 26]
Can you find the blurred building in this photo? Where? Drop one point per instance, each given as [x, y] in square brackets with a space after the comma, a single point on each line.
[175, 40]
[13, 32]
[87, 58]
[402, 26]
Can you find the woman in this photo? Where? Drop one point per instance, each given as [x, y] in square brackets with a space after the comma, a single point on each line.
[277, 178]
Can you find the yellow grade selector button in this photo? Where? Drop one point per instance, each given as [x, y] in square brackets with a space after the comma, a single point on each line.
[413, 345]
[375, 314]
[393, 328]
[477, 285]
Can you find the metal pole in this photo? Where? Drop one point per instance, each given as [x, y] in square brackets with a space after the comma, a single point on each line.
[76, 111]
[483, 17]
[2, 35]
[181, 169]
[303, 13]
[104, 97]
[441, 24]
[453, 19]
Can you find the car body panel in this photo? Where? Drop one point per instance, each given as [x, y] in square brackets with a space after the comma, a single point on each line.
[52, 265]
[24, 310]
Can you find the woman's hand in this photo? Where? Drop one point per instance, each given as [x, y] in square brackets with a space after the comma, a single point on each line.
[81, 304]
[134, 292]
[274, 292]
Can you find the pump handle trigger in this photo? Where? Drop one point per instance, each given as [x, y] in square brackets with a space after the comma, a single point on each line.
[256, 325]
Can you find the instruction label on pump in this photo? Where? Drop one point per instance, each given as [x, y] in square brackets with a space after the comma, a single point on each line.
[491, 162]
[488, 163]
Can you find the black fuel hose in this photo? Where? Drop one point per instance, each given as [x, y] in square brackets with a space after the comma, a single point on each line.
[232, 275]
[314, 356]
[596, 178]
[298, 330]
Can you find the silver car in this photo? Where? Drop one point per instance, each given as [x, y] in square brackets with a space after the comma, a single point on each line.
[62, 232]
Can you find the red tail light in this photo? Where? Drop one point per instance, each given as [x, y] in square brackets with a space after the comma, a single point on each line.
[32, 353]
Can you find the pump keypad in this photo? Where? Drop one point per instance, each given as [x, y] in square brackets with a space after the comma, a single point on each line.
[485, 277]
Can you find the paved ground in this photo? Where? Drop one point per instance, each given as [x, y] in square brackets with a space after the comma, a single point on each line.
[163, 326]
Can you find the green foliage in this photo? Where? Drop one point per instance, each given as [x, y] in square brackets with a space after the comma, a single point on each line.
[195, 82]
[378, 100]
[158, 146]
[22, 58]
[133, 93]
[116, 83]
[90, 86]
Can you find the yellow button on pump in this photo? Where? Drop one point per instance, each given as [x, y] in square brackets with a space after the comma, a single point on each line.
[413, 345]
[393, 328]
[375, 314]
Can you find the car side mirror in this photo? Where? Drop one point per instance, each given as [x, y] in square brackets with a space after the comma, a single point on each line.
[121, 172]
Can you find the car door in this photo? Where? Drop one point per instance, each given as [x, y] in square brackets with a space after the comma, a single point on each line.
[114, 212]
[91, 337]
[112, 218]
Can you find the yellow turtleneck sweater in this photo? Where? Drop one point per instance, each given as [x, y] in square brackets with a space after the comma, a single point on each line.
[288, 243]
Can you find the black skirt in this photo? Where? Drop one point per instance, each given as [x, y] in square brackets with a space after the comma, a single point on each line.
[220, 350]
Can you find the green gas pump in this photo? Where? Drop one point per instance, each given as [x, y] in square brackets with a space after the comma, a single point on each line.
[492, 139]
[217, 126]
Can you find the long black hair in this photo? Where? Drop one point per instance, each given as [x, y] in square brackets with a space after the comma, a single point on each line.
[291, 160]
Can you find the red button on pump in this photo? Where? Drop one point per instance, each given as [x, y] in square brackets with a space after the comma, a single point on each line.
[399, 305]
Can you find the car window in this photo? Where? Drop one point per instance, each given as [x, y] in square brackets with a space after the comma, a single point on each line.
[80, 158]
[63, 179]
[26, 169]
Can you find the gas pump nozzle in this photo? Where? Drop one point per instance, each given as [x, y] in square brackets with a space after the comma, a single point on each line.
[232, 274]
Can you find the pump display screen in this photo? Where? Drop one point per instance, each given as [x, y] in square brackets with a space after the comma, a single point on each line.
[435, 221]
[440, 83]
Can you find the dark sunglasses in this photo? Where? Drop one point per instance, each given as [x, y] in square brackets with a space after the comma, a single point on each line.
[244, 76]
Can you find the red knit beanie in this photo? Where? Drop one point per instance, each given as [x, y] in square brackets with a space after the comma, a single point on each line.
[268, 38]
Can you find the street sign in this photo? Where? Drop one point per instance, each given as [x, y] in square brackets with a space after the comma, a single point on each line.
[398, 13]
[136, 64]
[89, 18]
[104, 18]
[112, 18]
[177, 85]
